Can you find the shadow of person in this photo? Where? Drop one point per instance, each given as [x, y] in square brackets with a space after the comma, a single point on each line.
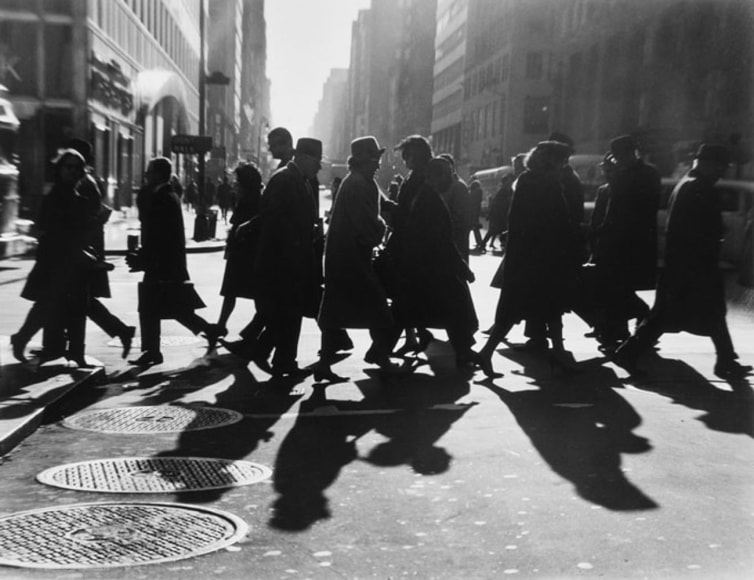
[581, 433]
[729, 411]
[413, 412]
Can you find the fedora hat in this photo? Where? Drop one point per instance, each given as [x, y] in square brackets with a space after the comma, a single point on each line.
[309, 146]
[366, 147]
[623, 145]
[713, 153]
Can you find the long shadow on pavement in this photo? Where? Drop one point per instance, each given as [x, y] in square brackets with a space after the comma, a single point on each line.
[580, 426]
[729, 411]
[412, 412]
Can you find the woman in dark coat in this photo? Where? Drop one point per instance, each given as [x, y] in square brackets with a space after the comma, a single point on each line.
[536, 271]
[58, 282]
[354, 296]
[435, 272]
[239, 251]
[499, 206]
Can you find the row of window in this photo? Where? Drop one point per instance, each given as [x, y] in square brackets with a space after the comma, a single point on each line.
[112, 18]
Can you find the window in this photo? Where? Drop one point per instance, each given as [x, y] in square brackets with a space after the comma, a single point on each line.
[536, 114]
[58, 60]
[534, 65]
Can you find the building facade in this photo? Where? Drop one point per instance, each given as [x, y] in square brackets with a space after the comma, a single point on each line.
[329, 121]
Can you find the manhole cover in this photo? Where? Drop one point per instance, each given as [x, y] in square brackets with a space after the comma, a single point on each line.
[153, 419]
[164, 341]
[154, 474]
[99, 535]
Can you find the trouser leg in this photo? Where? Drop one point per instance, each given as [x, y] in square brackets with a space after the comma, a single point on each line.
[34, 322]
[106, 320]
[720, 336]
[150, 332]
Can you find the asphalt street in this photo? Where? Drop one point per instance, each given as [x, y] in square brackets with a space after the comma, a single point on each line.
[442, 474]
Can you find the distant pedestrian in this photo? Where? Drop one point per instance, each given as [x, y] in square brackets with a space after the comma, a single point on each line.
[475, 204]
[166, 291]
[457, 199]
[691, 290]
[498, 214]
[224, 197]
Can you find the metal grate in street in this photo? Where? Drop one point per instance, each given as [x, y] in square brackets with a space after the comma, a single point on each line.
[152, 419]
[105, 535]
[154, 474]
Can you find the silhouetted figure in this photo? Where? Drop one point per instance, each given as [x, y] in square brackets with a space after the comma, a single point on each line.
[627, 254]
[286, 270]
[475, 204]
[354, 296]
[691, 289]
[498, 214]
[166, 291]
[58, 283]
[224, 198]
[240, 248]
[536, 269]
[456, 197]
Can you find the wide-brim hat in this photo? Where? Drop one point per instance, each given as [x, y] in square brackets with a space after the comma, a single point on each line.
[623, 145]
[309, 146]
[713, 153]
[366, 147]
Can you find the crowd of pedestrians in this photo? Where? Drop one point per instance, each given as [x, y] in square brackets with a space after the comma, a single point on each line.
[396, 263]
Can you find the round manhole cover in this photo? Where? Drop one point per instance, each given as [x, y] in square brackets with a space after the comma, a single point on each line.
[154, 474]
[164, 341]
[100, 535]
[153, 419]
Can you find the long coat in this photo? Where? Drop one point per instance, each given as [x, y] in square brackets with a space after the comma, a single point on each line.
[285, 266]
[353, 295]
[459, 205]
[537, 273]
[435, 274]
[628, 237]
[63, 223]
[238, 278]
[165, 291]
[98, 214]
[690, 290]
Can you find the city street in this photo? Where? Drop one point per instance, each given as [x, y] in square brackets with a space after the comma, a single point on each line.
[441, 474]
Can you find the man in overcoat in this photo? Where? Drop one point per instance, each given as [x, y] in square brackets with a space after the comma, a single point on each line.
[285, 266]
[691, 290]
[628, 240]
[166, 291]
[354, 296]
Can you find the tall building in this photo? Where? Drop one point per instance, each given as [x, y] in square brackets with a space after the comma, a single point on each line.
[255, 87]
[122, 74]
[507, 88]
[674, 73]
[329, 121]
[447, 95]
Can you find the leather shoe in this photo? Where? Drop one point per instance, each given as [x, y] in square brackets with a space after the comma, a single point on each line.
[18, 348]
[126, 339]
[731, 370]
[147, 359]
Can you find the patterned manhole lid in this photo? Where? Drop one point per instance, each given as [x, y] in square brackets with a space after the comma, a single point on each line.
[100, 535]
[154, 474]
[164, 341]
[152, 419]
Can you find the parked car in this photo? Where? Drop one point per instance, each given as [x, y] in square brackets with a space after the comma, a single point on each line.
[737, 202]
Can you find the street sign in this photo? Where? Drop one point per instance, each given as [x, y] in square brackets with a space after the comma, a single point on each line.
[190, 144]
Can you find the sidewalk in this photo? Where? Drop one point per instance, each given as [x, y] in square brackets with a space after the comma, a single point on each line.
[125, 221]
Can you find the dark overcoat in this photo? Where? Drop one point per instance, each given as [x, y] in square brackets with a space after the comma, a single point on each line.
[537, 277]
[353, 295]
[499, 207]
[690, 290]
[62, 223]
[436, 288]
[238, 280]
[285, 266]
[459, 204]
[628, 237]
[98, 214]
[165, 291]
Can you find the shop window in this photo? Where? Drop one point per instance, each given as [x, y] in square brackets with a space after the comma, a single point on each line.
[18, 53]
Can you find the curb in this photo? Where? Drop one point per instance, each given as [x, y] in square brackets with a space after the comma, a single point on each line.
[30, 403]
